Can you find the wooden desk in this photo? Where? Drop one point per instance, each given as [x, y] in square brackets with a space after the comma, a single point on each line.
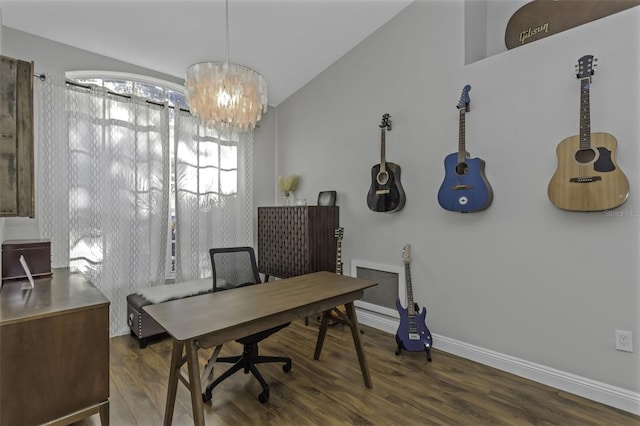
[215, 318]
[54, 351]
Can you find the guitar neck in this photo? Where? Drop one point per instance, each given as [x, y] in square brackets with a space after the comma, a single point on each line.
[339, 258]
[410, 304]
[585, 114]
[382, 150]
[462, 151]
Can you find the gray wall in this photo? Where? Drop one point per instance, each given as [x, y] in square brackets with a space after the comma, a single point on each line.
[522, 278]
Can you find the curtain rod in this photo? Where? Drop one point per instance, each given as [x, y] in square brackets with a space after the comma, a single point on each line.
[43, 77]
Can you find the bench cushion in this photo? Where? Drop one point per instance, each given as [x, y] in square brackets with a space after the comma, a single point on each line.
[141, 324]
[162, 293]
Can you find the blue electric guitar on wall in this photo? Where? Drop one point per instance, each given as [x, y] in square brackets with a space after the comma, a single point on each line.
[413, 334]
[465, 188]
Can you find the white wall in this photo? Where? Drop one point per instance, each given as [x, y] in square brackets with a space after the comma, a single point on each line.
[264, 170]
[523, 278]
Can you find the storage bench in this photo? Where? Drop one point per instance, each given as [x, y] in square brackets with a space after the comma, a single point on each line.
[140, 323]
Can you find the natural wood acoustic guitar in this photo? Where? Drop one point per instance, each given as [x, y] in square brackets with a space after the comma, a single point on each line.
[588, 177]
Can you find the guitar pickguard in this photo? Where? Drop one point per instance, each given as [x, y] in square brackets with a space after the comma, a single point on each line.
[604, 163]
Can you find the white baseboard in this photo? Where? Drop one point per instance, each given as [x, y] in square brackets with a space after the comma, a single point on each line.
[613, 396]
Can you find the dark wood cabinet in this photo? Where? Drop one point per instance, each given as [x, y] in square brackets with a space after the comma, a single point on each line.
[297, 240]
[54, 351]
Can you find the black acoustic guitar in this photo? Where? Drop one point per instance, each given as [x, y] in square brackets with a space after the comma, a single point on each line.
[386, 193]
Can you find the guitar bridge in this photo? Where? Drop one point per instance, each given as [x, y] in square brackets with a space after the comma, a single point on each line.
[585, 179]
[414, 336]
[382, 191]
[461, 187]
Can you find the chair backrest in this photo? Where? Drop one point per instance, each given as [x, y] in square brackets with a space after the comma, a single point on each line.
[235, 266]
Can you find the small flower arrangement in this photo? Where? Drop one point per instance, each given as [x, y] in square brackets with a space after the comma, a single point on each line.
[287, 185]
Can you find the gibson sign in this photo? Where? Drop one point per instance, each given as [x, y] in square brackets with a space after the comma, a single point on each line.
[542, 18]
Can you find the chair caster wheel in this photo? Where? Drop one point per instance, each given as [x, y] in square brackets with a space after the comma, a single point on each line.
[264, 396]
[206, 396]
[287, 367]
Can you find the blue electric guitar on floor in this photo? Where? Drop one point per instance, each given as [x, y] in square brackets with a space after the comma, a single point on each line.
[465, 188]
[413, 334]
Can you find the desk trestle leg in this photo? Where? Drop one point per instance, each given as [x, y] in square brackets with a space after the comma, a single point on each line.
[174, 372]
[192, 383]
[353, 325]
[351, 314]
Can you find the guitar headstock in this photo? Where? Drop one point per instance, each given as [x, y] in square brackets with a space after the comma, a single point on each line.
[339, 233]
[405, 254]
[386, 122]
[464, 98]
[586, 67]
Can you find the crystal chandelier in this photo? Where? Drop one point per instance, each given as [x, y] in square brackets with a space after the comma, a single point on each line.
[226, 96]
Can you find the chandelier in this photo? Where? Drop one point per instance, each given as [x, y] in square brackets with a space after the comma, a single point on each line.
[226, 96]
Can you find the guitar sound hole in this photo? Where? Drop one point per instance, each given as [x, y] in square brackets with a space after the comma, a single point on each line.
[462, 168]
[584, 156]
[382, 178]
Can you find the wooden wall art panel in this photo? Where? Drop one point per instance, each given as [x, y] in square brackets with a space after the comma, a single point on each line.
[16, 138]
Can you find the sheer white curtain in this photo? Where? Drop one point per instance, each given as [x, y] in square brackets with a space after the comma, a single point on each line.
[213, 194]
[103, 190]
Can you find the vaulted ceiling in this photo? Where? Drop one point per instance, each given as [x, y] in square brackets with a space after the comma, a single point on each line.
[288, 41]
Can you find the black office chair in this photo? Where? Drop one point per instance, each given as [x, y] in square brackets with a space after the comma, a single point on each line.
[238, 268]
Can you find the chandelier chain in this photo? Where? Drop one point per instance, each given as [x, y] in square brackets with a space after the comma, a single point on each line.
[226, 8]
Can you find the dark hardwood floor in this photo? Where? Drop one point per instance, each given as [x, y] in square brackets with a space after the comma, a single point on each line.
[406, 389]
